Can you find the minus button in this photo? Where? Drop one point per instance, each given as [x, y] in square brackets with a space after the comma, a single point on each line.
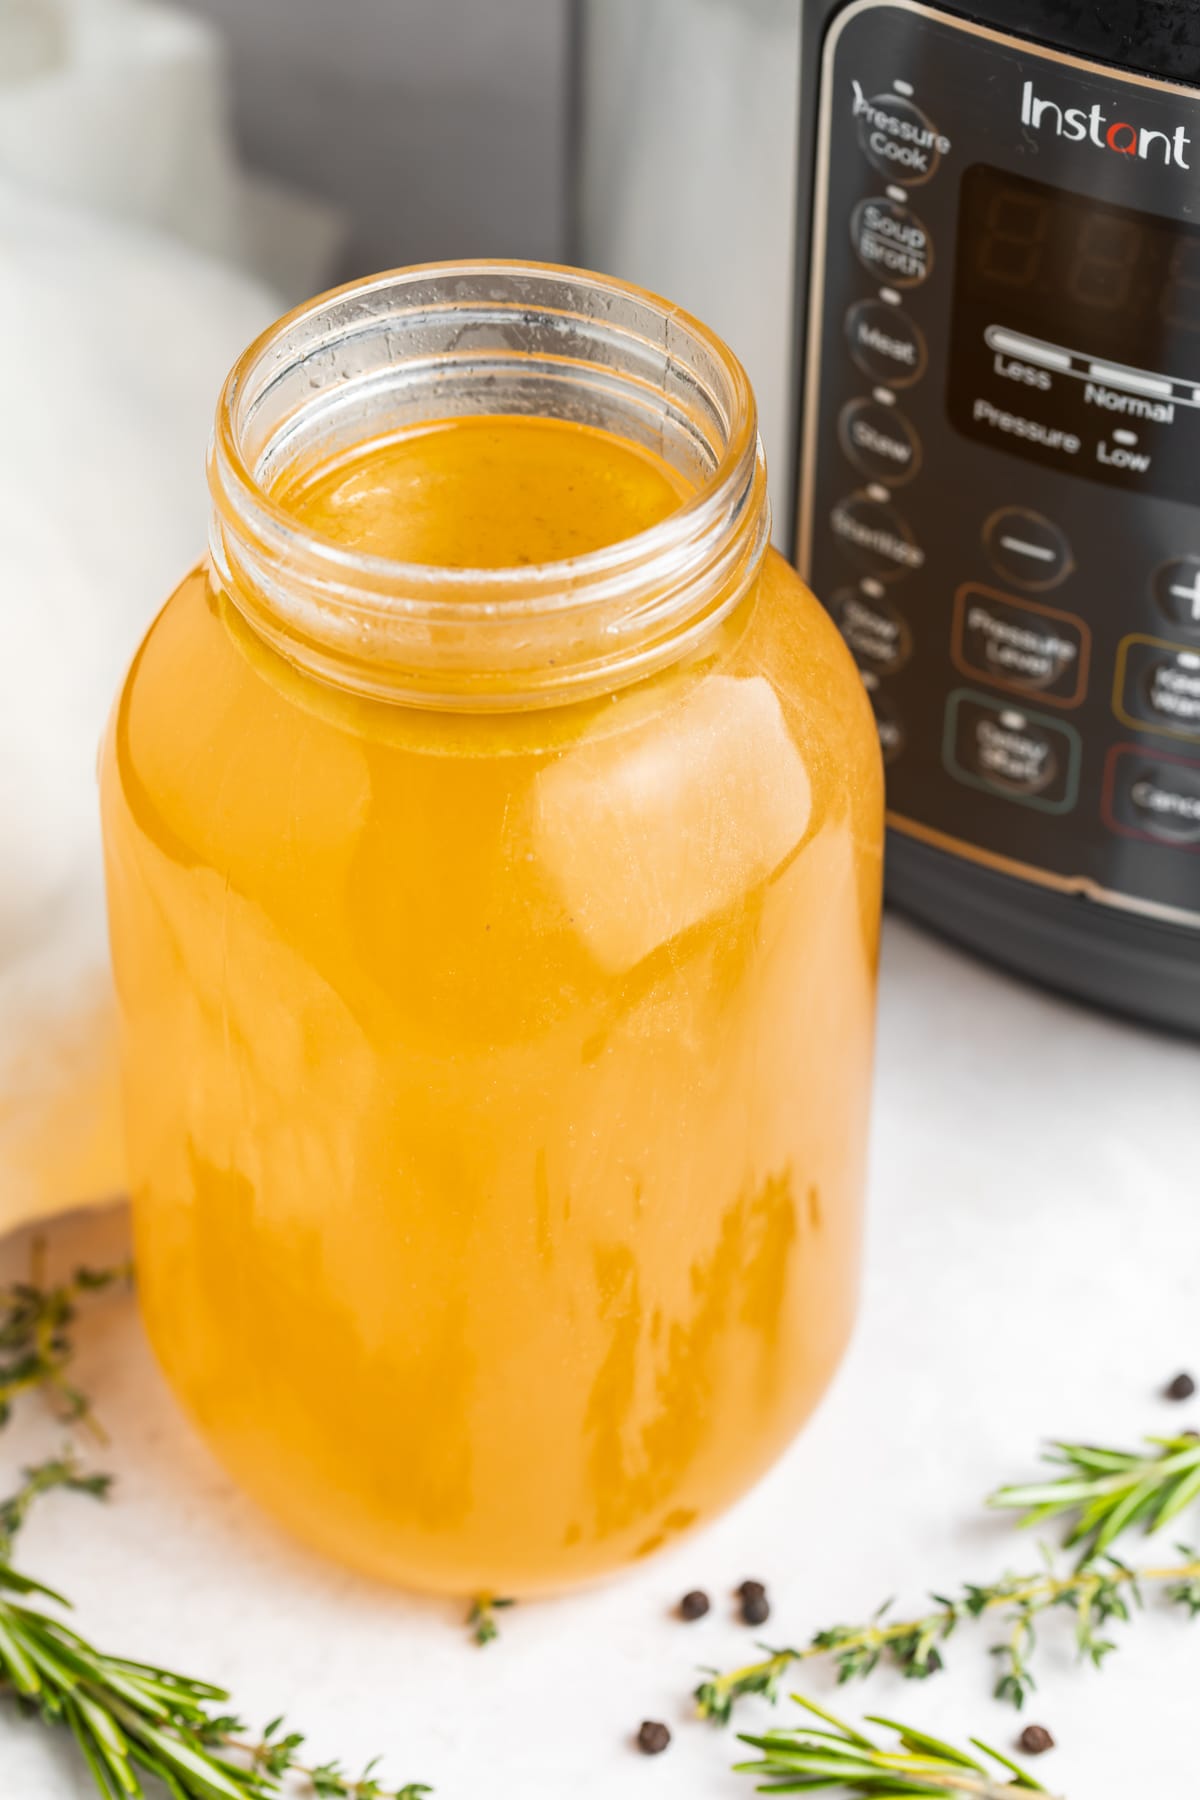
[1026, 548]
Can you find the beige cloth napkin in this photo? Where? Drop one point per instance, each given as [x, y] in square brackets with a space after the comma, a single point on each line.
[117, 344]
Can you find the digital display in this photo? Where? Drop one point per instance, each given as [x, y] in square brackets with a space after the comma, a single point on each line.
[1085, 274]
[1076, 335]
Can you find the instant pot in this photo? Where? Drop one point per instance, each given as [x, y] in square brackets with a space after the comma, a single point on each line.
[998, 463]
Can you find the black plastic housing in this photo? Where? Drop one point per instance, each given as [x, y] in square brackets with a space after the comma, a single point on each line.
[1124, 961]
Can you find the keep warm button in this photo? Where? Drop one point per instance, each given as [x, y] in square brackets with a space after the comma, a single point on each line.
[1010, 751]
[1158, 687]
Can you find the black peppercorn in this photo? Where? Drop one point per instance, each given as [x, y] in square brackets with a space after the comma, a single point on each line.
[653, 1737]
[1035, 1740]
[756, 1608]
[694, 1605]
[1182, 1388]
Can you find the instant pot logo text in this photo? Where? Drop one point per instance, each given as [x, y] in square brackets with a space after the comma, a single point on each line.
[1092, 125]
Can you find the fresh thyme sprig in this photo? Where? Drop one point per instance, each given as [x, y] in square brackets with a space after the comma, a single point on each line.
[807, 1758]
[59, 1472]
[35, 1338]
[481, 1619]
[1098, 1595]
[1110, 1491]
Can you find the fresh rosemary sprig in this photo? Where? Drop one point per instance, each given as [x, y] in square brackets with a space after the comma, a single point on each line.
[481, 1619]
[807, 1758]
[35, 1338]
[1098, 1595]
[1110, 1491]
[130, 1719]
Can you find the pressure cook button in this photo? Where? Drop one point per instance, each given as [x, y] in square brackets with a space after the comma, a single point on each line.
[885, 343]
[880, 442]
[1021, 755]
[891, 241]
[1026, 548]
[898, 139]
[876, 630]
[1177, 591]
[876, 537]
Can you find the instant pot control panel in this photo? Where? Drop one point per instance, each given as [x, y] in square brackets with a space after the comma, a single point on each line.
[1000, 449]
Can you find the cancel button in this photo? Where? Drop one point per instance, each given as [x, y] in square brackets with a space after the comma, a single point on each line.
[1155, 797]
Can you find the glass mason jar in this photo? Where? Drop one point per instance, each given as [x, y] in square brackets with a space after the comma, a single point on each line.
[495, 938]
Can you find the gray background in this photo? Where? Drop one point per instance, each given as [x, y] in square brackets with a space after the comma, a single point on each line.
[440, 125]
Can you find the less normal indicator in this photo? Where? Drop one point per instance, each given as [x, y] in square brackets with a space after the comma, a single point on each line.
[1137, 383]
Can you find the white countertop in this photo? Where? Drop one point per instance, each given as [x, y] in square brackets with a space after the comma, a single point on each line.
[1033, 1270]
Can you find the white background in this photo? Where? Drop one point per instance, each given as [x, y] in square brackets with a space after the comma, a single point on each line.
[1033, 1269]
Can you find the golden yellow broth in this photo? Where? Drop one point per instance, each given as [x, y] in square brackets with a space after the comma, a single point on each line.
[496, 1085]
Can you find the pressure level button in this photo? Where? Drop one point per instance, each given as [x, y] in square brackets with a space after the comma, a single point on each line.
[897, 138]
[885, 343]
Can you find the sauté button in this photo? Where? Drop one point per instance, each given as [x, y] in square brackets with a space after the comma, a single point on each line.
[891, 242]
[1027, 548]
[875, 629]
[876, 537]
[1177, 591]
[898, 139]
[880, 441]
[886, 344]
[887, 720]
[1154, 797]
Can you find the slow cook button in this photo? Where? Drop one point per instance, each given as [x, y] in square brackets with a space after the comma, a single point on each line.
[876, 537]
[1020, 755]
[1016, 644]
[880, 442]
[876, 630]
[891, 242]
[1158, 687]
[897, 138]
[885, 343]
[1154, 797]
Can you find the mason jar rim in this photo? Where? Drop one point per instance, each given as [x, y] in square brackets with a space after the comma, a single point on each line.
[315, 598]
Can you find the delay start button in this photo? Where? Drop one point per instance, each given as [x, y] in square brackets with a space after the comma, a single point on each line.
[897, 138]
[880, 442]
[1153, 797]
[1010, 751]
